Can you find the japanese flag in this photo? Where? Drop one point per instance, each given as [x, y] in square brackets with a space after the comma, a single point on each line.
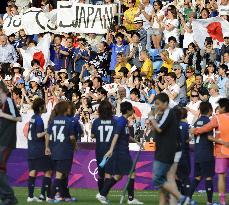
[40, 52]
[216, 28]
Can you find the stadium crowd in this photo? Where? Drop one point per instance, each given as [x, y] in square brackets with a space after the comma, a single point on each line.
[151, 52]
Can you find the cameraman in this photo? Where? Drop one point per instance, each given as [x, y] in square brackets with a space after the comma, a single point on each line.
[35, 71]
[208, 54]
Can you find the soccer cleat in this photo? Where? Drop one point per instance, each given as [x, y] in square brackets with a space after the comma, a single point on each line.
[134, 201]
[33, 199]
[72, 199]
[42, 197]
[184, 201]
[102, 199]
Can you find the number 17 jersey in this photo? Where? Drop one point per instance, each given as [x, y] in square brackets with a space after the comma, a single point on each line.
[103, 130]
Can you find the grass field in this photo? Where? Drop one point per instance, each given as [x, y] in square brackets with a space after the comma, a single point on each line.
[87, 197]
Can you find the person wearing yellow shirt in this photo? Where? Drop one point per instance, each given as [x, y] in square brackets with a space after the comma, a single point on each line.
[167, 62]
[190, 81]
[129, 15]
[121, 62]
[147, 67]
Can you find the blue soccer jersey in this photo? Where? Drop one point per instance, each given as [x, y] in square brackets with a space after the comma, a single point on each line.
[203, 147]
[184, 133]
[123, 132]
[76, 127]
[36, 146]
[103, 130]
[60, 130]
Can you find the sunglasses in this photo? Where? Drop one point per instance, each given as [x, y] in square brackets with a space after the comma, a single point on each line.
[130, 2]
[195, 96]
[188, 71]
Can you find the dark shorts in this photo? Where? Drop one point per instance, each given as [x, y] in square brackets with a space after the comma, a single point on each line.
[160, 170]
[204, 169]
[119, 164]
[62, 166]
[42, 164]
[184, 169]
[4, 156]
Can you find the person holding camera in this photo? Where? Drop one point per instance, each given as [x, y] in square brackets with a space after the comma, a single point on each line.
[208, 53]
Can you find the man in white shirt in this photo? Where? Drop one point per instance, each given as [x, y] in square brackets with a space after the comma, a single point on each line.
[144, 11]
[214, 96]
[176, 54]
[172, 90]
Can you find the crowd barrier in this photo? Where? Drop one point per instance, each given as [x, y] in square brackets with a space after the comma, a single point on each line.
[84, 170]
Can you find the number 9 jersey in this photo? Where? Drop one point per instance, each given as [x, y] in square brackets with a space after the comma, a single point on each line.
[60, 130]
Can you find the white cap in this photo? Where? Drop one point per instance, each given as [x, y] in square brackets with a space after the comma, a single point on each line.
[138, 20]
[35, 79]
[134, 68]
[8, 77]
[226, 34]
[16, 65]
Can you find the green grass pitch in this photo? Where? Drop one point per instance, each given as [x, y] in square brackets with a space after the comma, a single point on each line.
[87, 197]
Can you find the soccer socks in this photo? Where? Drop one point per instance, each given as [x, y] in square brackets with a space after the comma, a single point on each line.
[209, 190]
[222, 198]
[108, 184]
[186, 187]
[193, 187]
[66, 193]
[100, 184]
[57, 187]
[130, 189]
[46, 187]
[31, 185]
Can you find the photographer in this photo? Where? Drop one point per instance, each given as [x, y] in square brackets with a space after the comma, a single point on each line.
[208, 54]
[35, 71]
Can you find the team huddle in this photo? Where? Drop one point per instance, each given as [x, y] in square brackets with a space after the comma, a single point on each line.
[52, 150]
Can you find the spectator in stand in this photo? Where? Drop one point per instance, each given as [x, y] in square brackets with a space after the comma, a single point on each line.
[8, 55]
[225, 47]
[144, 12]
[156, 19]
[176, 54]
[198, 86]
[209, 76]
[170, 24]
[192, 58]
[204, 14]
[116, 48]
[172, 90]
[222, 79]
[190, 79]
[16, 72]
[214, 96]
[23, 39]
[167, 62]
[138, 22]
[147, 67]
[68, 59]
[181, 81]
[57, 53]
[193, 107]
[35, 71]
[208, 53]
[134, 49]
[129, 15]
[121, 62]
[226, 58]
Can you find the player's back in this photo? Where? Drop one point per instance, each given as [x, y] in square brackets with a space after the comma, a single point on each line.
[184, 131]
[203, 147]
[36, 146]
[60, 130]
[103, 130]
[122, 145]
